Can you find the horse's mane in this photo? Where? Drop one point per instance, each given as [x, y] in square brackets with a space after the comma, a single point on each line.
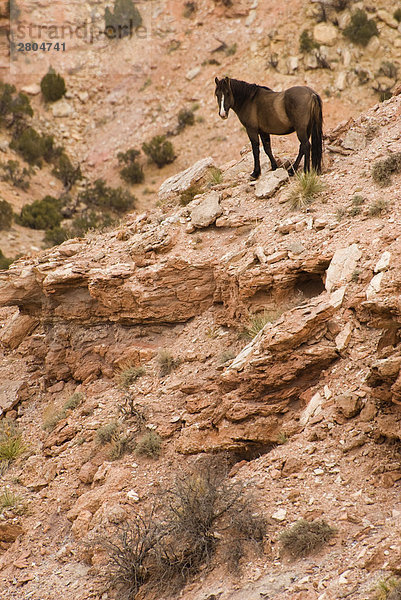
[243, 90]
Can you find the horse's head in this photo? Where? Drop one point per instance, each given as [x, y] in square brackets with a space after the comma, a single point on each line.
[224, 95]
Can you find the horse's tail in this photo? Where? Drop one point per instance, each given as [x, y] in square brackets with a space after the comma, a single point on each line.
[316, 125]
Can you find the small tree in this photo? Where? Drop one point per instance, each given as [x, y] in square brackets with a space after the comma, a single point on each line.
[52, 86]
[66, 172]
[131, 171]
[123, 20]
[15, 175]
[159, 150]
[6, 215]
[100, 195]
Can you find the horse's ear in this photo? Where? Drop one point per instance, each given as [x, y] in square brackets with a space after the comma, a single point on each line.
[216, 80]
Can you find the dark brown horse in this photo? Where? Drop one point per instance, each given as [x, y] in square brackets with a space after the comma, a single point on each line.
[263, 112]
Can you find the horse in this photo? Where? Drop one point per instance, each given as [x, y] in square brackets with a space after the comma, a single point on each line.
[263, 112]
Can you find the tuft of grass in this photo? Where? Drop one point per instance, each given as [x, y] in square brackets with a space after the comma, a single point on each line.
[383, 169]
[355, 276]
[6, 214]
[215, 176]
[378, 208]
[257, 321]
[361, 29]
[166, 361]
[129, 375]
[388, 588]
[282, 438]
[189, 194]
[12, 445]
[150, 444]
[73, 401]
[8, 499]
[305, 537]
[304, 190]
[52, 417]
[105, 433]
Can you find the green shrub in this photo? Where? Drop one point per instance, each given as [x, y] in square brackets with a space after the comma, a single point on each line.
[186, 117]
[6, 215]
[124, 19]
[34, 147]
[52, 86]
[99, 195]
[150, 444]
[383, 169]
[66, 172]
[306, 42]
[131, 171]
[304, 537]
[15, 175]
[4, 262]
[42, 214]
[57, 235]
[361, 29]
[159, 150]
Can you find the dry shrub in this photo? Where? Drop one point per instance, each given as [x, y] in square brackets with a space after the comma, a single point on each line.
[383, 169]
[199, 512]
[304, 537]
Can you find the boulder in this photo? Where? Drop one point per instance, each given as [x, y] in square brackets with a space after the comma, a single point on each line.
[9, 396]
[269, 183]
[342, 266]
[62, 109]
[383, 262]
[349, 405]
[185, 179]
[325, 33]
[31, 90]
[387, 18]
[16, 330]
[207, 211]
[354, 140]
[374, 286]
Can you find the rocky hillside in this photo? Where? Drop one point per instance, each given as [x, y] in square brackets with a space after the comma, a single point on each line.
[120, 93]
[152, 327]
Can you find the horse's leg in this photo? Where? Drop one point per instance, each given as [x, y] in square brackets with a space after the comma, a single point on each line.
[254, 137]
[265, 137]
[304, 150]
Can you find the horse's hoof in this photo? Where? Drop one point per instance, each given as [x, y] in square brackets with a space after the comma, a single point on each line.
[254, 176]
[291, 172]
